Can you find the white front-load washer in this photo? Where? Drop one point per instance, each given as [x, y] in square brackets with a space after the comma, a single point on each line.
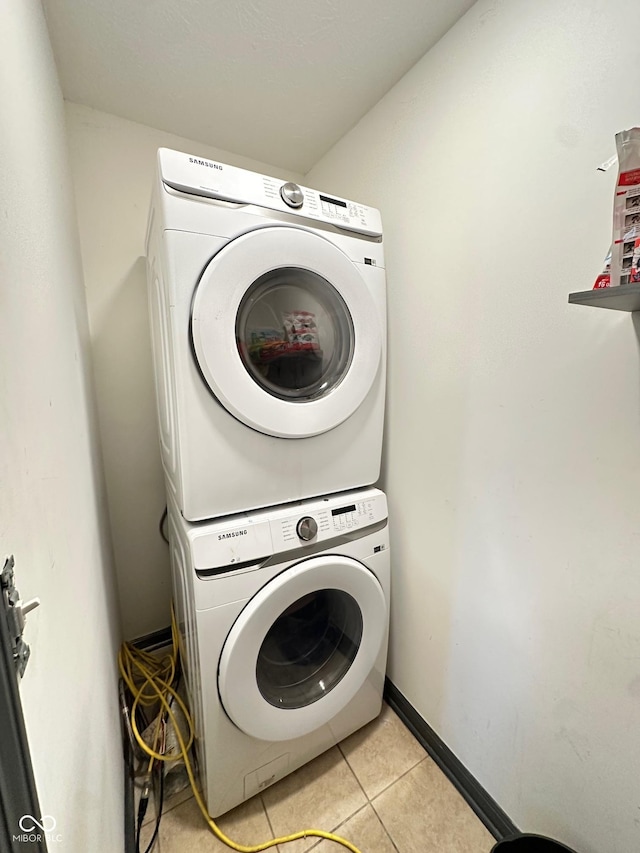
[283, 622]
[268, 322]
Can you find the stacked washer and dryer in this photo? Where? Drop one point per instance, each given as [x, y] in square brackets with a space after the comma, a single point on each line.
[268, 322]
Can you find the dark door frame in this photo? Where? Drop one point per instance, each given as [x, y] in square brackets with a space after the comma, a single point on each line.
[18, 795]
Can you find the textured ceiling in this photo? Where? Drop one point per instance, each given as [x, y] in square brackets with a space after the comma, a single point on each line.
[277, 80]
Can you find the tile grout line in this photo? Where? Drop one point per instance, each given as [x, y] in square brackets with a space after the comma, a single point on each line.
[334, 830]
[386, 787]
[426, 755]
[346, 820]
[355, 775]
[270, 825]
[357, 812]
[401, 776]
[266, 814]
[387, 833]
[385, 830]
[369, 801]
[379, 794]
[353, 815]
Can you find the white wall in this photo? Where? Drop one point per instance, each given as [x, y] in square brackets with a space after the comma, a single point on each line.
[113, 162]
[513, 454]
[53, 514]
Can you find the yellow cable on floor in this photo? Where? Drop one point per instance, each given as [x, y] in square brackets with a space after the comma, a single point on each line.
[149, 680]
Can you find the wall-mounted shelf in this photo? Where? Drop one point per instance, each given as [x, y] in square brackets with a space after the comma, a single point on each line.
[626, 297]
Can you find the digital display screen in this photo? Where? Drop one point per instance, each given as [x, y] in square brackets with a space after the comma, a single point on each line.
[333, 201]
[343, 509]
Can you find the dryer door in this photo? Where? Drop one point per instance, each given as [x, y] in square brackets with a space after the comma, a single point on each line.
[285, 332]
[302, 648]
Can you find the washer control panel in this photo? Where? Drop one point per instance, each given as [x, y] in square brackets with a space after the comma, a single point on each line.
[198, 176]
[316, 521]
[253, 536]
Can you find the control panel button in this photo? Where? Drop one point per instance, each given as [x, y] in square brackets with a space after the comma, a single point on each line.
[307, 528]
[292, 194]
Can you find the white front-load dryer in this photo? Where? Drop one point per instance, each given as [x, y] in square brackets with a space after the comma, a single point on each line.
[268, 325]
[283, 621]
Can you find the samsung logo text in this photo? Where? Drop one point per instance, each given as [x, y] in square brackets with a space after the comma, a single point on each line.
[232, 534]
[205, 163]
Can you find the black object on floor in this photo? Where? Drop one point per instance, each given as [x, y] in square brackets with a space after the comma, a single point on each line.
[528, 843]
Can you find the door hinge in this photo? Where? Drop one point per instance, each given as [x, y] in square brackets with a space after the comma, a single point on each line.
[16, 611]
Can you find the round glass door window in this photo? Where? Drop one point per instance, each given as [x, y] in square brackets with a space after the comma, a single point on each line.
[309, 648]
[295, 334]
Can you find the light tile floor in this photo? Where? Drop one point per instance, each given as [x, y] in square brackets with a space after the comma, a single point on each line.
[379, 789]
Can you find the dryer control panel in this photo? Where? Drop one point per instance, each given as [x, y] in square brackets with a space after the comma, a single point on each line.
[197, 176]
[238, 540]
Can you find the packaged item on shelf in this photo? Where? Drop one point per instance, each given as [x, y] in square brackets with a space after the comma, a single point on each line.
[626, 208]
[635, 262]
[604, 279]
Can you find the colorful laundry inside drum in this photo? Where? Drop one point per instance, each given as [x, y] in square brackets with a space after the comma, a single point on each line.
[267, 344]
[301, 329]
[298, 336]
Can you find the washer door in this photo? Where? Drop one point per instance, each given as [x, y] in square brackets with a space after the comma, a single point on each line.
[285, 332]
[302, 648]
